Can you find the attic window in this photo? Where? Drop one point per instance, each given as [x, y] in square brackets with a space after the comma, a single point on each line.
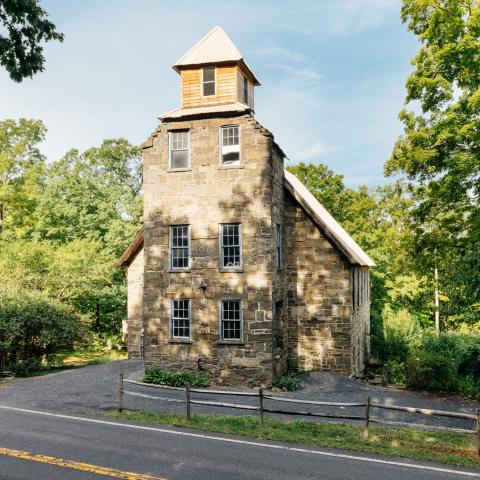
[208, 81]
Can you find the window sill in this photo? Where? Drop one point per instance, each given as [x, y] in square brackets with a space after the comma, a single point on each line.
[179, 270]
[230, 342]
[231, 270]
[170, 170]
[229, 167]
[180, 341]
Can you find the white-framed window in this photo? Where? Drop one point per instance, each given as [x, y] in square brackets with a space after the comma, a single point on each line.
[230, 246]
[180, 315]
[179, 151]
[279, 245]
[230, 144]
[179, 247]
[231, 319]
[245, 90]
[208, 81]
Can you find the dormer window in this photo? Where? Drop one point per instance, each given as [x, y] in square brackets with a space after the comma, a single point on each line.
[208, 81]
[245, 90]
[230, 144]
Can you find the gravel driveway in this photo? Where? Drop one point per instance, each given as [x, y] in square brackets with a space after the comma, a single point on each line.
[92, 389]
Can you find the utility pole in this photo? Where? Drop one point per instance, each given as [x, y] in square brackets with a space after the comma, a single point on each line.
[437, 303]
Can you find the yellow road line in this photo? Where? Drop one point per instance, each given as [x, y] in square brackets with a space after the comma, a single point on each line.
[85, 467]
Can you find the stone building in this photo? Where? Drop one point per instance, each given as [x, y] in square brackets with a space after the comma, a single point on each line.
[239, 272]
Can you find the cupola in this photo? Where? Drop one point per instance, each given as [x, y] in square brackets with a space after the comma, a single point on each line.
[213, 72]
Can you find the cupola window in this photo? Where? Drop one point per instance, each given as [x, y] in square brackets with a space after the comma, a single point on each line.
[208, 81]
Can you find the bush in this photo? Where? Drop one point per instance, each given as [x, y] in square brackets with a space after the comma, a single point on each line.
[33, 328]
[470, 361]
[174, 379]
[401, 332]
[431, 370]
[396, 371]
[286, 383]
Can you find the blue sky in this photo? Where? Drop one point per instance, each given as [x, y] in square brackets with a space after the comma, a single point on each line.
[332, 72]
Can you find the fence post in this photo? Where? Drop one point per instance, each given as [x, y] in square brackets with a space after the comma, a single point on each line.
[187, 393]
[120, 393]
[367, 418]
[478, 430]
[260, 395]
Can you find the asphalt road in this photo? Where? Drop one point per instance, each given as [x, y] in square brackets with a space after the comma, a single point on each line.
[54, 446]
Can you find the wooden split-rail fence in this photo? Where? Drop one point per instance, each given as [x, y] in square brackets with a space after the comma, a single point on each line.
[367, 418]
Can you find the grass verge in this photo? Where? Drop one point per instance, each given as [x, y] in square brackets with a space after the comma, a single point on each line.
[452, 448]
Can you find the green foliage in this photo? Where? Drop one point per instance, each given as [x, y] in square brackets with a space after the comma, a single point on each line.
[431, 371]
[24, 28]
[439, 153]
[286, 382]
[174, 379]
[33, 328]
[253, 382]
[402, 333]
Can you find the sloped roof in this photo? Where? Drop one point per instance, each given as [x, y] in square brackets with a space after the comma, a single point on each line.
[315, 210]
[215, 47]
[129, 254]
[325, 221]
[205, 109]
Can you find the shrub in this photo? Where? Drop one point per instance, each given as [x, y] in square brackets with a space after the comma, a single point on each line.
[431, 370]
[401, 332]
[33, 328]
[286, 382]
[470, 361]
[396, 371]
[174, 379]
[253, 382]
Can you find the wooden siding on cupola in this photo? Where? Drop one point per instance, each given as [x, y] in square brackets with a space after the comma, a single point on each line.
[228, 86]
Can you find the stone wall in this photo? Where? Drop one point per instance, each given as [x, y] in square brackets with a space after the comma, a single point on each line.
[318, 332]
[204, 196]
[135, 305]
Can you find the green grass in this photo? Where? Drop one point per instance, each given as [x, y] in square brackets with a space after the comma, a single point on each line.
[79, 359]
[453, 448]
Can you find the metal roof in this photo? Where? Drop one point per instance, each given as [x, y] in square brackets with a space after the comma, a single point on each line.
[325, 221]
[215, 47]
[192, 111]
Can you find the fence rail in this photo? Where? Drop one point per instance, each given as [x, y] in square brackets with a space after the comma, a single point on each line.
[262, 409]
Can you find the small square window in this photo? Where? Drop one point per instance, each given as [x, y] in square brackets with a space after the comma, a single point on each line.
[230, 144]
[208, 81]
[180, 319]
[179, 247]
[179, 149]
[231, 319]
[230, 247]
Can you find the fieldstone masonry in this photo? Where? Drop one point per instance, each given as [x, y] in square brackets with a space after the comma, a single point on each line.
[297, 317]
[311, 312]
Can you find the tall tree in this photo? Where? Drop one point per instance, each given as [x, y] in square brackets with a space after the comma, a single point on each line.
[440, 149]
[93, 195]
[25, 28]
[21, 168]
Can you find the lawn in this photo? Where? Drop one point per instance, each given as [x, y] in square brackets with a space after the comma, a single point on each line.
[453, 448]
[80, 358]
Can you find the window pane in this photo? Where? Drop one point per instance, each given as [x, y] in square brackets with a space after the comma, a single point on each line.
[179, 158]
[209, 88]
[231, 254]
[231, 320]
[209, 74]
[179, 246]
[181, 318]
[245, 89]
[231, 157]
